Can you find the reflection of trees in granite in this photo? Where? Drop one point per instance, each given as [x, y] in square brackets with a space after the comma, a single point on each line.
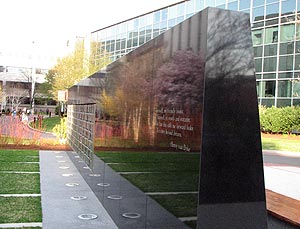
[127, 94]
[229, 69]
[179, 82]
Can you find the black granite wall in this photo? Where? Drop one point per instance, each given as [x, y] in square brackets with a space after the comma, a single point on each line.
[192, 90]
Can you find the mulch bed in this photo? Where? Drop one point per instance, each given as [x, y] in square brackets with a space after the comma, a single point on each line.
[37, 147]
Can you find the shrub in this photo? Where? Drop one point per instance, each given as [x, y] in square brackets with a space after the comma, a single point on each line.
[60, 130]
[280, 120]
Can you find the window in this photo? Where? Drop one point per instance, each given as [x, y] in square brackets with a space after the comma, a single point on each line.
[284, 88]
[164, 14]
[287, 48]
[288, 6]
[258, 14]
[258, 2]
[220, 2]
[269, 76]
[271, 35]
[190, 7]
[268, 88]
[283, 102]
[285, 75]
[296, 89]
[297, 62]
[258, 88]
[285, 63]
[272, 22]
[287, 32]
[272, 10]
[209, 3]
[257, 51]
[268, 102]
[298, 47]
[270, 64]
[258, 64]
[156, 16]
[244, 4]
[270, 50]
[257, 37]
[173, 12]
[233, 6]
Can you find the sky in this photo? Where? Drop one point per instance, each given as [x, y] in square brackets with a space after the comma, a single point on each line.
[45, 25]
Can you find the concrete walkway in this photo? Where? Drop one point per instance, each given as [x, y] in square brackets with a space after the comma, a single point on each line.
[282, 175]
[60, 180]
[110, 197]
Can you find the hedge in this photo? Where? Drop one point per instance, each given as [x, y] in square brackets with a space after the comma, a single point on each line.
[285, 120]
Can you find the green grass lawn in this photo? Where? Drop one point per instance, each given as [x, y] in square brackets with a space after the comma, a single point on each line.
[19, 209]
[47, 123]
[281, 144]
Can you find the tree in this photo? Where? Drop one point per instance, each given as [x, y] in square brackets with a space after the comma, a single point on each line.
[30, 85]
[74, 67]
[46, 87]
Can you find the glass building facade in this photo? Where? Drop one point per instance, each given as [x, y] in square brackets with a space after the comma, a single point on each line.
[275, 34]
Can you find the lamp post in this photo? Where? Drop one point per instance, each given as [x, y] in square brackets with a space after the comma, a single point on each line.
[32, 80]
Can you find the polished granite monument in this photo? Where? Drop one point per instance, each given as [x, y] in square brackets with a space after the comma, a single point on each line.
[190, 91]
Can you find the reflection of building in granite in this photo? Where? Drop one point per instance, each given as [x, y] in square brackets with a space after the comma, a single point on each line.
[275, 32]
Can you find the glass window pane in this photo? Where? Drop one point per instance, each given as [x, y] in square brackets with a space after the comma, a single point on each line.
[285, 63]
[258, 14]
[244, 4]
[220, 2]
[269, 76]
[296, 88]
[287, 48]
[258, 24]
[270, 64]
[271, 1]
[272, 22]
[221, 6]
[156, 17]
[271, 35]
[268, 102]
[257, 51]
[283, 102]
[284, 88]
[270, 50]
[268, 88]
[288, 6]
[272, 10]
[297, 62]
[257, 37]
[258, 64]
[285, 75]
[258, 76]
[209, 3]
[258, 2]
[287, 32]
[190, 7]
[164, 14]
[199, 5]
[180, 10]
[173, 12]
[233, 6]
[258, 88]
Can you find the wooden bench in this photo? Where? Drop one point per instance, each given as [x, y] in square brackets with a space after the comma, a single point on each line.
[283, 207]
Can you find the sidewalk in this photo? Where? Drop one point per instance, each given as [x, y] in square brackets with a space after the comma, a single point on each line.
[283, 176]
[114, 201]
[60, 181]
